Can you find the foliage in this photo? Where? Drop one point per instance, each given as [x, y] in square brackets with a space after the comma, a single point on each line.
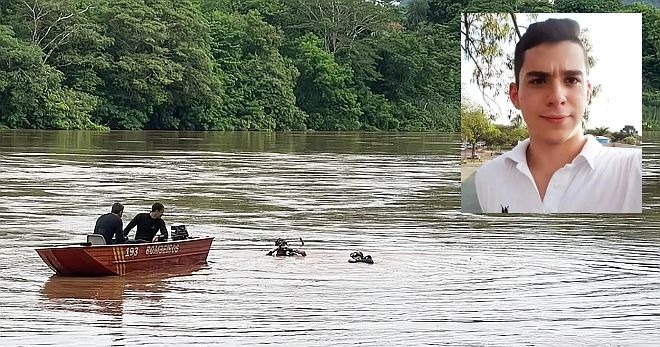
[626, 131]
[324, 89]
[600, 131]
[588, 6]
[338, 23]
[261, 64]
[476, 126]
[31, 91]
[650, 44]
[508, 135]
[630, 140]
[651, 110]
[259, 80]
[161, 71]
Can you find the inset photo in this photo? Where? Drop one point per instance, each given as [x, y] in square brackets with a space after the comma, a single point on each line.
[551, 113]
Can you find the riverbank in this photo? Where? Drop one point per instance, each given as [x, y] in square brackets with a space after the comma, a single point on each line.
[469, 166]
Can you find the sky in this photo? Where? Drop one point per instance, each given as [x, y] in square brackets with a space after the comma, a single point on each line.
[616, 40]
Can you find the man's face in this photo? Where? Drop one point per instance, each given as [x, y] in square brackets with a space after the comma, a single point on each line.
[553, 91]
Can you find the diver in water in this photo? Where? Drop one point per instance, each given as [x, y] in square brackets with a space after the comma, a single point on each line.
[358, 257]
[282, 249]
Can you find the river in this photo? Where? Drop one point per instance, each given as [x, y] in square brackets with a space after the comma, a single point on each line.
[440, 277]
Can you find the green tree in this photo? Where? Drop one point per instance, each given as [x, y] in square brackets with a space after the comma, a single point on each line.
[651, 110]
[534, 6]
[69, 36]
[420, 75]
[619, 136]
[599, 131]
[508, 135]
[362, 58]
[483, 35]
[447, 12]
[475, 126]
[324, 89]
[70, 109]
[260, 82]
[338, 23]
[66, 34]
[31, 92]
[588, 6]
[495, 137]
[48, 24]
[516, 134]
[417, 12]
[161, 74]
[272, 11]
[24, 82]
[650, 64]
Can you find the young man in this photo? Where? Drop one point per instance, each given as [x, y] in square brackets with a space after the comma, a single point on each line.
[148, 224]
[110, 224]
[558, 169]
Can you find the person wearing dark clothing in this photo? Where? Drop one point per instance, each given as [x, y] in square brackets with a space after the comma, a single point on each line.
[148, 224]
[358, 257]
[110, 224]
[282, 249]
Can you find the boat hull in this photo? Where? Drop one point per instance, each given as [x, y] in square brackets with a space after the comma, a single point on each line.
[112, 260]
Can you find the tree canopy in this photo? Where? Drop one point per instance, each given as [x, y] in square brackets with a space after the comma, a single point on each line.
[254, 64]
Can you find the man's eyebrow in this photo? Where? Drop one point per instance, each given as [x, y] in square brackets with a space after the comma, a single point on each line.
[573, 73]
[542, 74]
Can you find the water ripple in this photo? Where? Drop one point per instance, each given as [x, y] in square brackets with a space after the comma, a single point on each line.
[441, 277]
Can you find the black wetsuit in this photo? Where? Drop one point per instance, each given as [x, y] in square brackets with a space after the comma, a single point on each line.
[284, 251]
[110, 225]
[147, 227]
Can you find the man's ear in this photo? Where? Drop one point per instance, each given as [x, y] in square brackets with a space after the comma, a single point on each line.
[588, 92]
[513, 94]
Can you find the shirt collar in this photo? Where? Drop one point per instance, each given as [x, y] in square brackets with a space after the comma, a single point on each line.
[519, 153]
[588, 153]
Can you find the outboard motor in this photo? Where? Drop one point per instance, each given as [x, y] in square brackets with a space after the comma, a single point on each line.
[179, 232]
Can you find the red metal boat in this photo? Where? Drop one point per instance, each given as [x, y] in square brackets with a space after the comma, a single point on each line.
[110, 260]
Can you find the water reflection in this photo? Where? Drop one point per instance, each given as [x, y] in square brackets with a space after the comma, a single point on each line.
[120, 142]
[95, 295]
[106, 295]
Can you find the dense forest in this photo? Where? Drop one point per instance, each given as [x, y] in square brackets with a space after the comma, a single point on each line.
[253, 64]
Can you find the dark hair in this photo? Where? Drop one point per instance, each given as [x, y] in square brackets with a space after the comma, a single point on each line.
[552, 30]
[117, 208]
[157, 207]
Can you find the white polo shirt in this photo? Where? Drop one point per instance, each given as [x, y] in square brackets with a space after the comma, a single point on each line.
[599, 180]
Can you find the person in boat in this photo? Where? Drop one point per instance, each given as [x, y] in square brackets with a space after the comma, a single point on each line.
[358, 257]
[148, 225]
[282, 249]
[110, 224]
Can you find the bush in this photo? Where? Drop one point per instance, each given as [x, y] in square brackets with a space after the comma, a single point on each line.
[630, 140]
